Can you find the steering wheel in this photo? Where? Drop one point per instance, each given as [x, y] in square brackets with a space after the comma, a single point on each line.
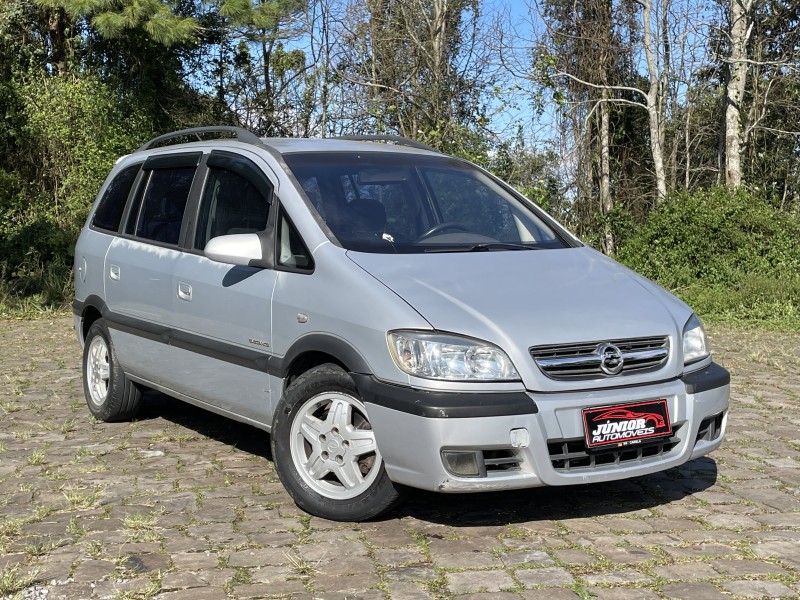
[442, 227]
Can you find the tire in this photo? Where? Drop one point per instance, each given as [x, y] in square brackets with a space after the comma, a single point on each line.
[110, 395]
[325, 451]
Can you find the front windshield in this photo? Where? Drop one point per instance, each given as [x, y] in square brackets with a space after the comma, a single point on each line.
[409, 203]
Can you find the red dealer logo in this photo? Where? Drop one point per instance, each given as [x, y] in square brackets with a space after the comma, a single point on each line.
[626, 424]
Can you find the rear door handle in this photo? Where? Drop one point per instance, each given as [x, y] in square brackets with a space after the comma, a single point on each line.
[184, 291]
[113, 272]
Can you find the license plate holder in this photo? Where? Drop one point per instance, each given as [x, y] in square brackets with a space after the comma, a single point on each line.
[626, 424]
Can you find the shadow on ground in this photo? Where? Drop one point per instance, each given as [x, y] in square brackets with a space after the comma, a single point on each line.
[479, 509]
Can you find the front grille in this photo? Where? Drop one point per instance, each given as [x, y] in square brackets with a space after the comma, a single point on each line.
[573, 455]
[584, 360]
[710, 428]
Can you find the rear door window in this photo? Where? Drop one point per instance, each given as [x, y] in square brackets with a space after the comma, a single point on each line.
[163, 204]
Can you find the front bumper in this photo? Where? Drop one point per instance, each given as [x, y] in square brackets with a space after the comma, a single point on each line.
[413, 428]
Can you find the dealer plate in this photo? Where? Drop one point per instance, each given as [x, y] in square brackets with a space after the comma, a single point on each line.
[626, 424]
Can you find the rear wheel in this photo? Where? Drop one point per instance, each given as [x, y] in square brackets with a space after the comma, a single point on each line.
[325, 450]
[110, 395]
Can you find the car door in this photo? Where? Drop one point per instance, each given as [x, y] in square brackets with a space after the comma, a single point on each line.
[139, 262]
[221, 312]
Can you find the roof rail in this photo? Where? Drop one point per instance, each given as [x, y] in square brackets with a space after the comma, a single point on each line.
[397, 139]
[242, 135]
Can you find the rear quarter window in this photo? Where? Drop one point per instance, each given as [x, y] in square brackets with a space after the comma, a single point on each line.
[109, 212]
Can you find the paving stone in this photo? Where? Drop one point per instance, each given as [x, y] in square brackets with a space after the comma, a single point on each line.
[789, 519]
[489, 596]
[261, 556]
[784, 550]
[389, 535]
[407, 590]
[93, 570]
[746, 567]
[69, 591]
[712, 536]
[615, 577]
[467, 560]
[729, 521]
[619, 593]
[626, 525]
[479, 581]
[654, 539]
[347, 566]
[461, 546]
[147, 563]
[626, 554]
[206, 593]
[394, 557]
[573, 557]
[669, 525]
[113, 588]
[412, 574]
[270, 574]
[352, 584]
[550, 594]
[686, 571]
[270, 589]
[545, 576]
[180, 581]
[328, 551]
[699, 550]
[693, 591]
[759, 589]
[335, 536]
[194, 561]
[532, 557]
[217, 577]
[536, 542]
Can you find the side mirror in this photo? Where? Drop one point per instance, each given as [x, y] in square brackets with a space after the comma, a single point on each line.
[242, 249]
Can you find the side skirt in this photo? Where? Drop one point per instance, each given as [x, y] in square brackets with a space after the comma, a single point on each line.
[199, 403]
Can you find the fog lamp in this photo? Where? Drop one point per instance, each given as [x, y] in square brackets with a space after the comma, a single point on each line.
[462, 464]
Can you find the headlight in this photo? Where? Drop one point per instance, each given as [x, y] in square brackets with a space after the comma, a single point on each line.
[694, 341]
[449, 357]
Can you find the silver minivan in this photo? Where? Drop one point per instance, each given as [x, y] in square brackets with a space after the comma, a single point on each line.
[392, 316]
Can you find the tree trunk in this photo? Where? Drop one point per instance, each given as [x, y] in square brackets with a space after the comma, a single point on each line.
[655, 108]
[740, 28]
[606, 202]
[57, 26]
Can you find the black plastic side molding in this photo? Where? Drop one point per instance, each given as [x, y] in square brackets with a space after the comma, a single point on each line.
[443, 404]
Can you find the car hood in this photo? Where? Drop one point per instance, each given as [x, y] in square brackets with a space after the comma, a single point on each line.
[519, 299]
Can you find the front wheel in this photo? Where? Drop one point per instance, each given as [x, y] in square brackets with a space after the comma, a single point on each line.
[325, 450]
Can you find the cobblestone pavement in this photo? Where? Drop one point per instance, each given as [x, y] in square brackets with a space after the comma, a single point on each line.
[182, 504]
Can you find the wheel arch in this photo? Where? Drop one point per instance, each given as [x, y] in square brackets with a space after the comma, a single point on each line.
[318, 348]
[90, 310]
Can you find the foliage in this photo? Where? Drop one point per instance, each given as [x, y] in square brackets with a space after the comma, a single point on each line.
[74, 129]
[731, 255]
[84, 81]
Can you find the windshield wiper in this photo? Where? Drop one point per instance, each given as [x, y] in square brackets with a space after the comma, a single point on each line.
[482, 247]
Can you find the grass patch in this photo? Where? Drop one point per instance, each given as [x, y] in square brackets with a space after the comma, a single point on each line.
[12, 580]
[755, 301]
[35, 292]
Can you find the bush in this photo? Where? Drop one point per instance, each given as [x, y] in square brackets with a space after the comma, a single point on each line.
[732, 256]
[73, 129]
